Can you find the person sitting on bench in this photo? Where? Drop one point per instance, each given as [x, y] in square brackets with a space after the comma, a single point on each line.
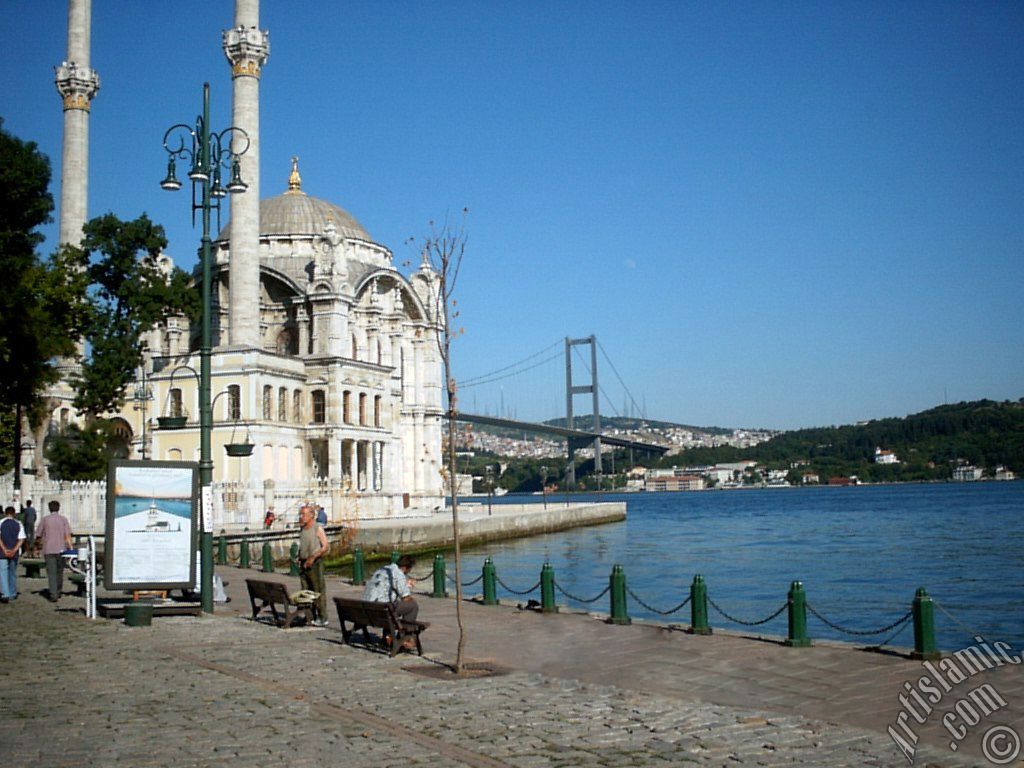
[391, 584]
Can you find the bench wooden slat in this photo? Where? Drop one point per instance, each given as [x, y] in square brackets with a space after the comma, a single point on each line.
[273, 594]
[362, 615]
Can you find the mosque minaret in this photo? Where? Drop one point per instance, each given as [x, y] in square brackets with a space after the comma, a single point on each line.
[247, 48]
[324, 366]
[77, 84]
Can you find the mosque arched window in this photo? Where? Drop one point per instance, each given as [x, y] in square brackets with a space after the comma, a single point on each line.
[287, 342]
[234, 402]
[268, 394]
[319, 406]
[282, 404]
[377, 410]
[346, 407]
[297, 406]
[362, 408]
[175, 406]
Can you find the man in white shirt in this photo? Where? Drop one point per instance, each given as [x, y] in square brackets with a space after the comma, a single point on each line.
[391, 584]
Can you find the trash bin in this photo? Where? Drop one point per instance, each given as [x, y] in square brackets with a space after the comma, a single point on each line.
[138, 614]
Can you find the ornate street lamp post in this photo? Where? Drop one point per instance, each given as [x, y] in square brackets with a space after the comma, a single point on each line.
[489, 477]
[142, 396]
[544, 484]
[208, 153]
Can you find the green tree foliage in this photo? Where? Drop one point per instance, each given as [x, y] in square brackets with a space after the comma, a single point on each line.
[130, 295]
[985, 433]
[81, 453]
[42, 305]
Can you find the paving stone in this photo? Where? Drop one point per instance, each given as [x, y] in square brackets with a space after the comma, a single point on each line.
[223, 689]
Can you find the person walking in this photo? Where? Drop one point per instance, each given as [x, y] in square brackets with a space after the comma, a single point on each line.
[29, 519]
[55, 532]
[12, 538]
[312, 548]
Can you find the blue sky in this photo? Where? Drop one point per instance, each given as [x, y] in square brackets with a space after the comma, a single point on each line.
[770, 214]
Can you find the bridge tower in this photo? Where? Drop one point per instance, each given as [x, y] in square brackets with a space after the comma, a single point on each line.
[570, 391]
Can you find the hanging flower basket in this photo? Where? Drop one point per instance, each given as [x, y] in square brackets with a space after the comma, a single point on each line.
[239, 450]
[171, 422]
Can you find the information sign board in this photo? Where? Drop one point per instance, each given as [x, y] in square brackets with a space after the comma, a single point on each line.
[152, 519]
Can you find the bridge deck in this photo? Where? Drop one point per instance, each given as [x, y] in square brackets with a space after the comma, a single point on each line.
[575, 434]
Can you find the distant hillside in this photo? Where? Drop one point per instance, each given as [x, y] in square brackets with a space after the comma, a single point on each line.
[585, 423]
[928, 444]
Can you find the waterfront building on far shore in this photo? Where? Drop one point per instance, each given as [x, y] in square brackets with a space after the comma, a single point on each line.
[966, 473]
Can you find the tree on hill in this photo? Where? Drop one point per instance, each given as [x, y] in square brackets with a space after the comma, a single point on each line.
[985, 433]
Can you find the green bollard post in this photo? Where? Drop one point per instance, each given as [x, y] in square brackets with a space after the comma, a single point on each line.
[395, 554]
[293, 560]
[243, 553]
[357, 568]
[222, 550]
[797, 600]
[617, 588]
[547, 589]
[924, 627]
[268, 558]
[699, 607]
[439, 576]
[490, 587]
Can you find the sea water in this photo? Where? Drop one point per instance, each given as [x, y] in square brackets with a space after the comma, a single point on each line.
[860, 552]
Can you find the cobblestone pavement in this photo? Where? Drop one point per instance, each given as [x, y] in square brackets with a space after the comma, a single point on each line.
[226, 690]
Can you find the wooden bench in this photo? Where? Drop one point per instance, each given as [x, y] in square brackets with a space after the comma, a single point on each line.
[33, 566]
[362, 615]
[273, 594]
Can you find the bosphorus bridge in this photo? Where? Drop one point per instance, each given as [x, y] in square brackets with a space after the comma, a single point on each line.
[541, 372]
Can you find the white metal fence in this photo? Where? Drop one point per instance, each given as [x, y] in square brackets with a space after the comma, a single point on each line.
[236, 505]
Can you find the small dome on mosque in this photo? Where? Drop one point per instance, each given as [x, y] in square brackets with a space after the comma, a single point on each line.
[296, 213]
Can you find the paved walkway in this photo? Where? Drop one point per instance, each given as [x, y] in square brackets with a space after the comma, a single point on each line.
[202, 691]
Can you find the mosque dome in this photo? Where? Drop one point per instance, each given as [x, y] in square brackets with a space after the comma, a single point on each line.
[296, 213]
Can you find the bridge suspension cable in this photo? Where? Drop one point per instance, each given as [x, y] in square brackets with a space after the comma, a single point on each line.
[493, 376]
[616, 372]
[477, 383]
